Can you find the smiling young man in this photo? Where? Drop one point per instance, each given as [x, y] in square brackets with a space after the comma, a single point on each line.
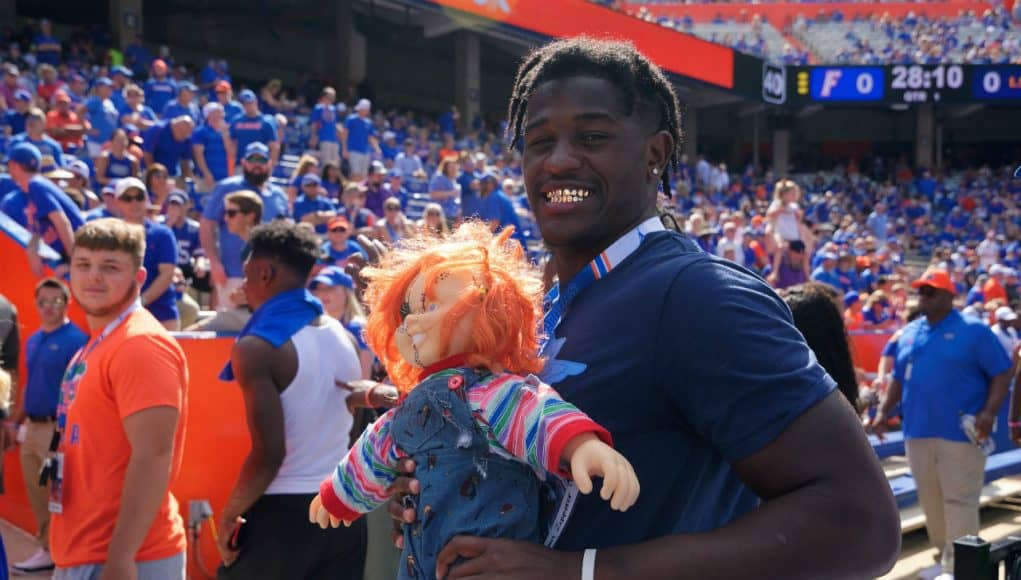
[751, 464]
[121, 417]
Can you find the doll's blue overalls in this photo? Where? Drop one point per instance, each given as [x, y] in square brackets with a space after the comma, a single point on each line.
[465, 487]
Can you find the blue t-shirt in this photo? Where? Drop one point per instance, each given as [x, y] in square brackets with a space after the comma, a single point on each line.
[233, 111]
[304, 206]
[47, 49]
[159, 140]
[358, 132]
[274, 205]
[832, 277]
[159, 92]
[47, 355]
[944, 371]
[247, 130]
[452, 205]
[118, 167]
[104, 116]
[160, 248]
[326, 116]
[15, 120]
[214, 152]
[187, 236]
[707, 398]
[44, 198]
[495, 207]
[144, 111]
[339, 258]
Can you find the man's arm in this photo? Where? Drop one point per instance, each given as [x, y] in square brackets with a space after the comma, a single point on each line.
[274, 152]
[149, 159]
[150, 433]
[64, 230]
[207, 237]
[999, 386]
[160, 284]
[198, 154]
[828, 513]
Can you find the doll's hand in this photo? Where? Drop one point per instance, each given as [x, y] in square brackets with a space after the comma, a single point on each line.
[317, 514]
[589, 456]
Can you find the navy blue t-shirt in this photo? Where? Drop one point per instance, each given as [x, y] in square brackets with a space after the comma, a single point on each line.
[692, 363]
[47, 355]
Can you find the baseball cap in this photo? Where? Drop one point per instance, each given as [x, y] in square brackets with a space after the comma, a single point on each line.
[332, 276]
[996, 270]
[936, 278]
[222, 87]
[11, 69]
[1005, 314]
[394, 173]
[187, 86]
[829, 256]
[177, 196]
[127, 183]
[310, 178]
[850, 298]
[389, 135]
[79, 168]
[22, 95]
[122, 70]
[210, 108]
[256, 148]
[109, 189]
[378, 167]
[104, 82]
[26, 155]
[247, 96]
[339, 221]
[363, 104]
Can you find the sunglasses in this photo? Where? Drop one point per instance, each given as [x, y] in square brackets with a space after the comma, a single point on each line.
[392, 208]
[55, 303]
[133, 198]
[338, 230]
[257, 159]
[232, 212]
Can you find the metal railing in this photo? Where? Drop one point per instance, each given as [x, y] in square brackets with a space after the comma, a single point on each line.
[977, 559]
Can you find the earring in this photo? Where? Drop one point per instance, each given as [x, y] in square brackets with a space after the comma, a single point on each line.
[655, 171]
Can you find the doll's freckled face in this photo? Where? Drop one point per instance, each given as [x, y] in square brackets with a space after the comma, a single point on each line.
[420, 339]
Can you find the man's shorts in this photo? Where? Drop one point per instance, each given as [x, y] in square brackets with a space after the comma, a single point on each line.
[329, 152]
[359, 163]
[172, 568]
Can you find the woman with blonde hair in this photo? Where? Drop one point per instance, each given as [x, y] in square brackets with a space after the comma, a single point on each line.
[783, 218]
[395, 225]
[336, 290]
[307, 163]
[433, 221]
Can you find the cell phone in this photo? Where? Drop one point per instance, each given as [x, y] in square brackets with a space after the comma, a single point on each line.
[237, 537]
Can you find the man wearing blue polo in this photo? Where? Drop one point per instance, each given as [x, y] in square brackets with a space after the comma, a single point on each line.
[222, 247]
[361, 139]
[47, 354]
[209, 148]
[947, 368]
[254, 127]
[169, 142]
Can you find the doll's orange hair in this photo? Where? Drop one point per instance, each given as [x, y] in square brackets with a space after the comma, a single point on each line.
[508, 291]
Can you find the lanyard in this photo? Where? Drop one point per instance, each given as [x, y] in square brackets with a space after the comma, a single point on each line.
[556, 303]
[72, 376]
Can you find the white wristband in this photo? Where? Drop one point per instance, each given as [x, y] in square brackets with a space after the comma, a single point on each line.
[588, 565]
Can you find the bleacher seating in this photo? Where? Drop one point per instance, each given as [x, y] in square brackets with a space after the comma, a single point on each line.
[998, 466]
[760, 39]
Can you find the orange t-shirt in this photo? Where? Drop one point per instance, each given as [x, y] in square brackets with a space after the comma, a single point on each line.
[136, 367]
[993, 290]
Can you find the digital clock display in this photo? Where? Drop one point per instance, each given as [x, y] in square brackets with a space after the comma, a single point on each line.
[905, 84]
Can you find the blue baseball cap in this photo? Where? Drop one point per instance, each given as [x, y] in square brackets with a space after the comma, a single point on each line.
[309, 178]
[177, 196]
[247, 96]
[850, 298]
[22, 95]
[256, 148]
[26, 155]
[104, 82]
[332, 276]
[122, 70]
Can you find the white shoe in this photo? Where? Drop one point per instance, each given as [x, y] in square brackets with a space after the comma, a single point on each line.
[944, 577]
[931, 573]
[38, 562]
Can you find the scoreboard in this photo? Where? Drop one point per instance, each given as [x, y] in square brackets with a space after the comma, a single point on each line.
[903, 84]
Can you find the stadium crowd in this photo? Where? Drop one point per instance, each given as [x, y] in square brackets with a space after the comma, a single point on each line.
[92, 133]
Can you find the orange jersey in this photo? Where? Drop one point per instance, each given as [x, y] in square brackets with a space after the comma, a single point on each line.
[138, 366]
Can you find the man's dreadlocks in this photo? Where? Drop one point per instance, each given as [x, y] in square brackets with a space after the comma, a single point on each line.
[640, 82]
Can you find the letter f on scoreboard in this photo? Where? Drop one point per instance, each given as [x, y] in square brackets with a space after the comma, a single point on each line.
[830, 81]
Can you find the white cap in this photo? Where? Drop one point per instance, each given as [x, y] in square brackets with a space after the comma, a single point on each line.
[389, 135]
[1005, 314]
[210, 108]
[363, 104]
[996, 270]
[79, 168]
[123, 185]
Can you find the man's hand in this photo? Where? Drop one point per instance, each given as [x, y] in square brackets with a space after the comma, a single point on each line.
[119, 568]
[208, 181]
[984, 422]
[404, 485]
[877, 425]
[486, 557]
[381, 395]
[227, 530]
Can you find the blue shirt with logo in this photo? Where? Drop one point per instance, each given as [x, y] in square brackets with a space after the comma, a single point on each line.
[358, 132]
[247, 130]
[214, 150]
[159, 140]
[274, 205]
[47, 355]
[326, 117]
[944, 370]
[160, 248]
[707, 399]
[118, 167]
[159, 92]
[187, 236]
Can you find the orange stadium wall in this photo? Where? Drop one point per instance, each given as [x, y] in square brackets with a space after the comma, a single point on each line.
[216, 440]
[782, 14]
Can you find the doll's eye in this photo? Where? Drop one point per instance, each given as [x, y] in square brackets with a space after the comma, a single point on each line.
[405, 309]
[432, 307]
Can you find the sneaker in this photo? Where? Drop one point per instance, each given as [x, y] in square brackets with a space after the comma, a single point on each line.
[944, 577]
[930, 573]
[39, 562]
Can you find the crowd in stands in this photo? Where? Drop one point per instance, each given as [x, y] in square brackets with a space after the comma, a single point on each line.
[830, 37]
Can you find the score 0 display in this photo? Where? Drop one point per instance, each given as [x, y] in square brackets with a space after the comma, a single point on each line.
[915, 83]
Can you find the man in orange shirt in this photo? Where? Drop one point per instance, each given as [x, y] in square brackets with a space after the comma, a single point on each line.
[121, 421]
[65, 125]
[993, 288]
